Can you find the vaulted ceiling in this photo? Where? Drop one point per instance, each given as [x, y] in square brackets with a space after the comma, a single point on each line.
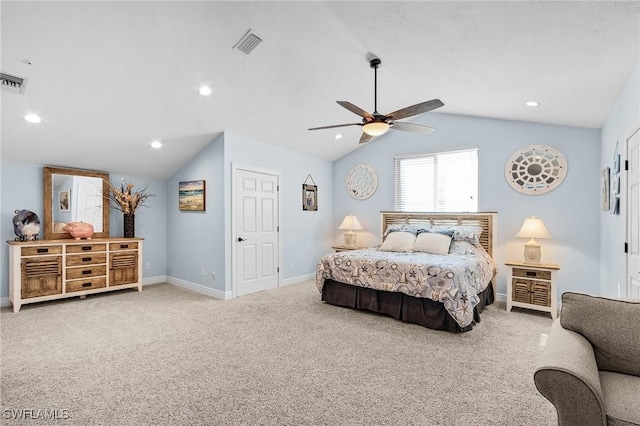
[107, 78]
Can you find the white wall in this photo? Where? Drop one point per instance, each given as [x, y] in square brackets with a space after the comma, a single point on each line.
[624, 114]
[570, 212]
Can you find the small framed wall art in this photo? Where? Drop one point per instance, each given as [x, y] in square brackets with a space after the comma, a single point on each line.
[64, 200]
[309, 197]
[605, 189]
[192, 195]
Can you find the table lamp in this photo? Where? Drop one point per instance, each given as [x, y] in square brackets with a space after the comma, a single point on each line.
[532, 227]
[350, 223]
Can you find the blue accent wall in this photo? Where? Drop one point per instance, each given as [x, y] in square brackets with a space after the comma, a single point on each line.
[570, 212]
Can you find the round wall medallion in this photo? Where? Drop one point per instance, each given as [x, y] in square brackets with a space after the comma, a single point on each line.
[535, 169]
[362, 181]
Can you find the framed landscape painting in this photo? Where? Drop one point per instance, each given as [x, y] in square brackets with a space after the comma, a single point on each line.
[191, 195]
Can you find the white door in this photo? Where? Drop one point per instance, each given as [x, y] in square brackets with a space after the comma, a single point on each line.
[633, 220]
[256, 226]
[89, 206]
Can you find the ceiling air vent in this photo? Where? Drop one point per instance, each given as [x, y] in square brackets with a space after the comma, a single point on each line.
[248, 42]
[11, 83]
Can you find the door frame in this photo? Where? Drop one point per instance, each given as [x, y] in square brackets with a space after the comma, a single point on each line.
[625, 205]
[234, 258]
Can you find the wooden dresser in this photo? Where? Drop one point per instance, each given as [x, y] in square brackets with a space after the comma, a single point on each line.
[54, 269]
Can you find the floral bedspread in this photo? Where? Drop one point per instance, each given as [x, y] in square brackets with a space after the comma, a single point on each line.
[454, 279]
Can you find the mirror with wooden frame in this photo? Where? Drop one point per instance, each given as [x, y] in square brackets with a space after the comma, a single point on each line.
[75, 195]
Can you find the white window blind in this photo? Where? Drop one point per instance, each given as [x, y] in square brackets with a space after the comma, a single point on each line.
[440, 182]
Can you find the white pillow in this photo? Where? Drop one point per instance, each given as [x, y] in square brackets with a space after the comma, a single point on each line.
[434, 243]
[398, 241]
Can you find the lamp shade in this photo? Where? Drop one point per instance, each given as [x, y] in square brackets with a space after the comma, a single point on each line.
[533, 227]
[351, 223]
[375, 128]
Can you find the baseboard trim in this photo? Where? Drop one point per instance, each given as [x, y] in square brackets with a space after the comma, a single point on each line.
[500, 297]
[4, 302]
[154, 280]
[297, 280]
[224, 295]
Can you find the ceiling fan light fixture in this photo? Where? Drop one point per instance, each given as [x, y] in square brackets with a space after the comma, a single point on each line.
[376, 128]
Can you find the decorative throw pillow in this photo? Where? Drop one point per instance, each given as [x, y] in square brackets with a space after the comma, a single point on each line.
[414, 228]
[430, 242]
[442, 229]
[610, 325]
[398, 241]
[467, 233]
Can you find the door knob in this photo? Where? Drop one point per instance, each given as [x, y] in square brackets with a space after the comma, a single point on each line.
[240, 239]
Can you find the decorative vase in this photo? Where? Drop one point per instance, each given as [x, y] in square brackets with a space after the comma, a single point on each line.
[129, 225]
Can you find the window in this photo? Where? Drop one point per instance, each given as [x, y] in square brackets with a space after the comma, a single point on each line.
[440, 182]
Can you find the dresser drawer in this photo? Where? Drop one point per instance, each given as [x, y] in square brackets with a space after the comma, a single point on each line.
[88, 284]
[37, 250]
[123, 246]
[86, 259]
[85, 248]
[532, 274]
[86, 272]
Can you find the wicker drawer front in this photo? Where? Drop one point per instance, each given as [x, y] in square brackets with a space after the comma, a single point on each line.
[521, 290]
[86, 259]
[41, 276]
[532, 274]
[123, 246]
[85, 248]
[540, 293]
[88, 284]
[39, 250]
[86, 271]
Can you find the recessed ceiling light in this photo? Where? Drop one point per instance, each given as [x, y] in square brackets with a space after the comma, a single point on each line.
[32, 118]
[205, 91]
[156, 144]
[338, 136]
[532, 103]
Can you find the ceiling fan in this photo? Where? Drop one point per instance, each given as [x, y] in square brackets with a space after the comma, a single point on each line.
[377, 124]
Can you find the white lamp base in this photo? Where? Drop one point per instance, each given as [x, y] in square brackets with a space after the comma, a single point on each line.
[532, 252]
[350, 239]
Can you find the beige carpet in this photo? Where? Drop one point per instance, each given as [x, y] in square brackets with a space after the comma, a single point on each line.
[280, 357]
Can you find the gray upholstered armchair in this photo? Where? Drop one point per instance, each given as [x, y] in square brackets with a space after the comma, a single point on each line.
[590, 367]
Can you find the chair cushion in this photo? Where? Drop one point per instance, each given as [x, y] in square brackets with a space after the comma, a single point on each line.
[620, 393]
[610, 325]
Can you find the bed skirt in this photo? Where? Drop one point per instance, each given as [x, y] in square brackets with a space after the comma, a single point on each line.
[425, 312]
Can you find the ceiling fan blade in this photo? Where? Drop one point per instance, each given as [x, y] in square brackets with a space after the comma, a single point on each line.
[336, 125]
[365, 138]
[411, 127]
[415, 109]
[354, 109]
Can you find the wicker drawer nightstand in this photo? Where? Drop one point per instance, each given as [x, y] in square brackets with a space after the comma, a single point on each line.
[532, 286]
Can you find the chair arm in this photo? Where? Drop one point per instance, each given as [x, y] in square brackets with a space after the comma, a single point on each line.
[567, 375]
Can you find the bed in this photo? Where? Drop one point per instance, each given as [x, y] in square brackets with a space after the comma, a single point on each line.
[443, 287]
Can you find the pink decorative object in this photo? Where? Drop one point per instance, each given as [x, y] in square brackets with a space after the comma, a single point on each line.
[79, 230]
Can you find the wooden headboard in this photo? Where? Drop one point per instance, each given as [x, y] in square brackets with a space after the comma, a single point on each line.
[486, 220]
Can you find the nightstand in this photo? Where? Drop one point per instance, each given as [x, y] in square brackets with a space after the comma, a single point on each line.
[532, 286]
[338, 249]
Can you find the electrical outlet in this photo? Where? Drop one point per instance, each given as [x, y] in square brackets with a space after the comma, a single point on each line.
[291, 266]
[147, 266]
[213, 275]
[202, 272]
